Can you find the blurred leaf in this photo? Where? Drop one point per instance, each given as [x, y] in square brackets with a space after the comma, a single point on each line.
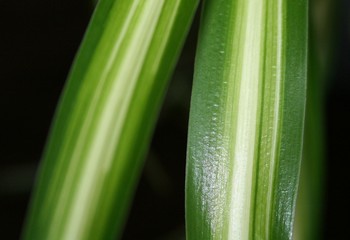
[105, 118]
[311, 195]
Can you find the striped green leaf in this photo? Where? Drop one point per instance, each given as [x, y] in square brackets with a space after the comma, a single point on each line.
[246, 120]
[105, 118]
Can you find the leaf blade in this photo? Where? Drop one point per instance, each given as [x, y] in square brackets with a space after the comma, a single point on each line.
[105, 118]
[246, 120]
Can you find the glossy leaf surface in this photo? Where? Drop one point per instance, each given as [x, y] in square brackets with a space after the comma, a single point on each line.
[246, 120]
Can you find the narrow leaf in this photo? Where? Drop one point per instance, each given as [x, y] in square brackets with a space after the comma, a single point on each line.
[246, 120]
[104, 120]
[311, 196]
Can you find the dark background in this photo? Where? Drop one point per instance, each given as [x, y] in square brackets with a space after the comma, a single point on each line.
[38, 41]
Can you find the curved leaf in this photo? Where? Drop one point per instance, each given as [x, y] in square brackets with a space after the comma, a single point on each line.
[105, 118]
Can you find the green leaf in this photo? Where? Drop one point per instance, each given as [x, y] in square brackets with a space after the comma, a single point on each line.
[246, 120]
[310, 202]
[105, 118]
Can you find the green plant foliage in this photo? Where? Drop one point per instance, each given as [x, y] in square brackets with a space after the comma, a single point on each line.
[105, 117]
[246, 120]
[310, 202]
